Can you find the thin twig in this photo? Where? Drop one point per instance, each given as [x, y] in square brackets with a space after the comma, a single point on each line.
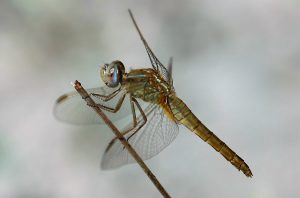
[119, 135]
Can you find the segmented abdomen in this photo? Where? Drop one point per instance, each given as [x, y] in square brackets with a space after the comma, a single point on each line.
[184, 116]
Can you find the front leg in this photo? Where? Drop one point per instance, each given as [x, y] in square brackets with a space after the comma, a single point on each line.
[108, 97]
[110, 109]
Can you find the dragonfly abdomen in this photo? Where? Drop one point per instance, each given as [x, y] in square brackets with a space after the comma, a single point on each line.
[184, 116]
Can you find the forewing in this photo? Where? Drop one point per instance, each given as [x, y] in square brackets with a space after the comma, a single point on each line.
[71, 108]
[170, 70]
[156, 64]
[158, 132]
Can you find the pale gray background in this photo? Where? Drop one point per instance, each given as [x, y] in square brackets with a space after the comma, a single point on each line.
[236, 64]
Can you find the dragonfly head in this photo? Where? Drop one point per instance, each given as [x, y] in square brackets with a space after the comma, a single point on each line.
[112, 73]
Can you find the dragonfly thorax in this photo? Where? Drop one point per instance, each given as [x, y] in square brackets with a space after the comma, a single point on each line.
[147, 84]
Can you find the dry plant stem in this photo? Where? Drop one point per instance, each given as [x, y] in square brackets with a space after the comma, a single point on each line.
[118, 134]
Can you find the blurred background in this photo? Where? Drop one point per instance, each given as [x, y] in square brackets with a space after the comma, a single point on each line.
[236, 65]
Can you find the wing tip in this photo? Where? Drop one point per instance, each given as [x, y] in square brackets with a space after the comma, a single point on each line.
[106, 164]
[62, 98]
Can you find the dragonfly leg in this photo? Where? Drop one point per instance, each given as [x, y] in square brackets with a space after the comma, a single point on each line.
[132, 101]
[133, 111]
[143, 115]
[108, 97]
[134, 119]
[110, 109]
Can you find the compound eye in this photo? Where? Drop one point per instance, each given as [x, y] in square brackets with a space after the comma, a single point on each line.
[111, 74]
[114, 76]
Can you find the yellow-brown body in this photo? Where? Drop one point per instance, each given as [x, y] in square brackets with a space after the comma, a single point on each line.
[148, 85]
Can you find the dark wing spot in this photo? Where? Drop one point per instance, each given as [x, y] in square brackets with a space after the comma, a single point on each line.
[61, 98]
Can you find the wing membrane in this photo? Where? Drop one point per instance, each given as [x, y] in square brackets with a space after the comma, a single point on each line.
[156, 64]
[158, 132]
[71, 108]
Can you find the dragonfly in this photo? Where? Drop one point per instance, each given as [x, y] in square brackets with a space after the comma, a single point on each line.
[148, 97]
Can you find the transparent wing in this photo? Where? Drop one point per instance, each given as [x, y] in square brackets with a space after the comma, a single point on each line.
[158, 132]
[156, 64]
[71, 108]
[170, 70]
